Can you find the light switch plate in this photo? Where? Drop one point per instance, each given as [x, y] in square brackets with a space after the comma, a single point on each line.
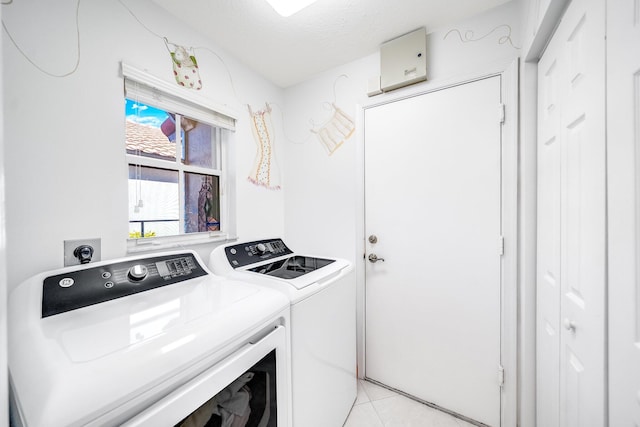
[71, 245]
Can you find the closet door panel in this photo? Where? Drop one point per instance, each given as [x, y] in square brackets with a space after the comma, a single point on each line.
[571, 363]
[548, 269]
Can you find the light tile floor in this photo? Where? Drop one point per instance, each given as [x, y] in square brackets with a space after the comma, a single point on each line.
[376, 406]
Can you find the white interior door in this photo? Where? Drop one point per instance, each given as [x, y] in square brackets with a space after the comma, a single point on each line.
[432, 199]
[623, 146]
[571, 385]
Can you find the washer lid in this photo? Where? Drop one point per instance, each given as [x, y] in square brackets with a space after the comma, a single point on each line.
[74, 367]
[292, 267]
[275, 262]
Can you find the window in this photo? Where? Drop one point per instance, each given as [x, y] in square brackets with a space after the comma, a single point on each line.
[175, 151]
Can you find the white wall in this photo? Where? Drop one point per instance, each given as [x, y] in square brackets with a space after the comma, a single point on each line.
[323, 201]
[65, 171]
[66, 174]
[320, 202]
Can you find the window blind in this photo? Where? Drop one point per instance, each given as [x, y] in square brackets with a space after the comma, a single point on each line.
[145, 88]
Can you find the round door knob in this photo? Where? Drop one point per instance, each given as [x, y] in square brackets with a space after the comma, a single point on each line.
[138, 272]
[569, 325]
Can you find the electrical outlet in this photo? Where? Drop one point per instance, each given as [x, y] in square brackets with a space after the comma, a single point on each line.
[71, 245]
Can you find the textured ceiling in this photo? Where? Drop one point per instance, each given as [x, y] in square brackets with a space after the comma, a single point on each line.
[324, 35]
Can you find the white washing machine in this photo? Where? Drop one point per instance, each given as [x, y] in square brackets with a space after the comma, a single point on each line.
[156, 340]
[323, 323]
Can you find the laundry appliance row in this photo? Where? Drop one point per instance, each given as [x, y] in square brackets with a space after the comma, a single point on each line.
[262, 337]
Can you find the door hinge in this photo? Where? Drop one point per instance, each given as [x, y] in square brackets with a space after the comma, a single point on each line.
[500, 375]
[501, 113]
[501, 246]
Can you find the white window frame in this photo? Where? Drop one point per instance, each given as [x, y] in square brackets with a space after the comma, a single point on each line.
[145, 88]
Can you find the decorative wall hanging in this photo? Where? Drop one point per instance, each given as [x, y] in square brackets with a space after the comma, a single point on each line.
[183, 60]
[31, 61]
[469, 35]
[264, 172]
[333, 133]
[338, 129]
[185, 66]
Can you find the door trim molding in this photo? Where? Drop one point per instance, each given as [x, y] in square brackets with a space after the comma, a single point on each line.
[509, 319]
[509, 224]
[528, 173]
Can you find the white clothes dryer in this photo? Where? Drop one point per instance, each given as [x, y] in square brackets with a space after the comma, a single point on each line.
[322, 292]
[147, 341]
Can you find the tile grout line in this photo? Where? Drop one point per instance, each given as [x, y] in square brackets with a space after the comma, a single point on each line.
[364, 389]
[374, 406]
[377, 414]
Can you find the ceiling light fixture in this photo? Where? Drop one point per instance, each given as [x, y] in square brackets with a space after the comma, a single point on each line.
[289, 7]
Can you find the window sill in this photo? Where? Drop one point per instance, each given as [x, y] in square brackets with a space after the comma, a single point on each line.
[148, 244]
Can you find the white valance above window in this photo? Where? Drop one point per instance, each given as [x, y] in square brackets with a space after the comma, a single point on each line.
[148, 89]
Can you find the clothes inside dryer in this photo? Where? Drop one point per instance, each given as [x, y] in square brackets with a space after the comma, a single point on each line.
[249, 401]
[293, 267]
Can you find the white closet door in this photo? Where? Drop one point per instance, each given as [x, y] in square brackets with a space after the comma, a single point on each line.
[623, 143]
[572, 222]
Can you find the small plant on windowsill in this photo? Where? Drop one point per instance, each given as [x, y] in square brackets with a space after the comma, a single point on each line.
[138, 235]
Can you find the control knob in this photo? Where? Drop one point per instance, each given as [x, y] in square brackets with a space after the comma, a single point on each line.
[138, 272]
[261, 248]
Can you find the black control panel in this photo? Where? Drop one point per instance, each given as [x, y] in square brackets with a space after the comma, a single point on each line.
[249, 253]
[81, 288]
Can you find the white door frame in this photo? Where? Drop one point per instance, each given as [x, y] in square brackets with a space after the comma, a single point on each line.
[509, 265]
[4, 381]
[528, 132]
[623, 199]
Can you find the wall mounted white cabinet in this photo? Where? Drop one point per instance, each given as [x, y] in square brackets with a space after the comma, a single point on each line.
[403, 61]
